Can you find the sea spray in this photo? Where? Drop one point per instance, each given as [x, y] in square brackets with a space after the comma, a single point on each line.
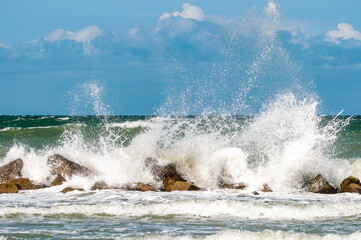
[252, 132]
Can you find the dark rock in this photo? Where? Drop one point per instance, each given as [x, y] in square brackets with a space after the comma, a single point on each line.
[266, 188]
[24, 184]
[60, 165]
[69, 189]
[173, 185]
[163, 172]
[255, 193]
[57, 181]
[101, 185]
[351, 184]
[233, 186]
[8, 188]
[11, 170]
[319, 184]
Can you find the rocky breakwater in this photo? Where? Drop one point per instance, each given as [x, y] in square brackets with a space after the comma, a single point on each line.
[62, 169]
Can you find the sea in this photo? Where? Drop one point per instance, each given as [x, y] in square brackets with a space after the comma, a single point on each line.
[267, 127]
[278, 147]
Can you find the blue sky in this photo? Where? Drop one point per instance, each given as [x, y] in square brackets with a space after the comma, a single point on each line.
[144, 52]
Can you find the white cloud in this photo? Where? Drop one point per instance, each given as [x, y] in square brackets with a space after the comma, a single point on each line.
[189, 12]
[344, 31]
[85, 35]
[3, 45]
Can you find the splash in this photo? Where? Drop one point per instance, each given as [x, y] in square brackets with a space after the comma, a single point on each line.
[254, 122]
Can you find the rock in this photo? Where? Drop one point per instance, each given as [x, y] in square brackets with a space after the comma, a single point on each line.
[138, 187]
[101, 185]
[163, 172]
[24, 184]
[57, 181]
[319, 184]
[255, 193]
[266, 188]
[144, 187]
[233, 186]
[60, 165]
[354, 187]
[69, 189]
[11, 170]
[173, 185]
[351, 184]
[8, 188]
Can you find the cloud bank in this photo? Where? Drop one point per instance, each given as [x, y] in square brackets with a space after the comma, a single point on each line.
[138, 58]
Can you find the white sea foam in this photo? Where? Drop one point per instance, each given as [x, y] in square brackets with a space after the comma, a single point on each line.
[280, 145]
[247, 210]
[132, 124]
[9, 129]
[267, 234]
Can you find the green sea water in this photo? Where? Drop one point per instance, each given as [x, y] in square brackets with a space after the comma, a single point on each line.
[39, 132]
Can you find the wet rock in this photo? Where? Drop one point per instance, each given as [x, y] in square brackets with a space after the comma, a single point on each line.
[69, 189]
[255, 193]
[11, 170]
[138, 187]
[8, 188]
[101, 185]
[58, 181]
[319, 184]
[173, 185]
[24, 184]
[60, 165]
[163, 172]
[144, 187]
[266, 188]
[351, 184]
[233, 186]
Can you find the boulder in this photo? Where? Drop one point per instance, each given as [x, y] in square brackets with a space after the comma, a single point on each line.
[351, 184]
[11, 170]
[173, 185]
[60, 165]
[266, 188]
[255, 193]
[144, 187]
[101, 185]
[163, 172]
[233, 186]
[69, 189]
[8, 188]
[24, 184]
[57, 181]
[139, 186]
[319, 184]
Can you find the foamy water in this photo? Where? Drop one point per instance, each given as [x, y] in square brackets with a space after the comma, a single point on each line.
[270, 132]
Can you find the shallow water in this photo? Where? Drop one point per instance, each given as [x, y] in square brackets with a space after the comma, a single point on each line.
[221, 214]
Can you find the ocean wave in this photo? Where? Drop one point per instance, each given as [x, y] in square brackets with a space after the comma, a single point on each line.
[63, 118]
[202, 208]
[131, 124]
[267, 234]
[9, 129]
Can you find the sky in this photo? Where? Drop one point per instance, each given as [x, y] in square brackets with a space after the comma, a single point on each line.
[141, 55]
